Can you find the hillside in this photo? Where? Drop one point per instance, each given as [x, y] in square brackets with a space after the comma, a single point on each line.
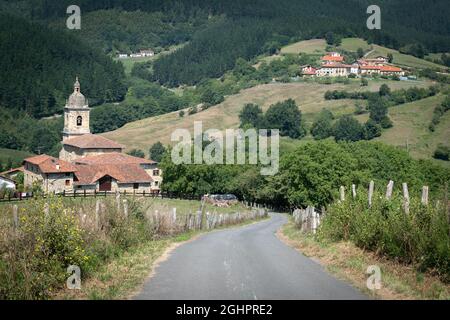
[411, 121]
[309, 96]
[39, 68]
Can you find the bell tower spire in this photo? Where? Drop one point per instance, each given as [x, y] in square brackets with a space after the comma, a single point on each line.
[76, 113]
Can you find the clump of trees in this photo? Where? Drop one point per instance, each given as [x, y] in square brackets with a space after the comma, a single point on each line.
[156, 151]
[438, 112]
[284, 116]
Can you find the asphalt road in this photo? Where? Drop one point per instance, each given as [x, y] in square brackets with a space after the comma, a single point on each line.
[247, 263]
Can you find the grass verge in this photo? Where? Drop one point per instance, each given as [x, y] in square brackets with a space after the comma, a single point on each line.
[348, 262]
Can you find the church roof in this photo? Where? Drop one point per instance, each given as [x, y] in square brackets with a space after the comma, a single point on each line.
[113, 158]
[48, 164]
[92, 141]
[77, 99]
[122, 172]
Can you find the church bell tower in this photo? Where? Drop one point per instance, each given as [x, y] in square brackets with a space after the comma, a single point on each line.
[76, 114]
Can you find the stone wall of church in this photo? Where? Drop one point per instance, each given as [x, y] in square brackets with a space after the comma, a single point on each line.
[72, 125]
[71, 153]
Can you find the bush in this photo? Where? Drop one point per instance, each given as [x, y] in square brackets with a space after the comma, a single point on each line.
[442, 152]
[420, 238]
[35, 258]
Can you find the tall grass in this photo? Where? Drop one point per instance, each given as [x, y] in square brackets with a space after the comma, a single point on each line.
[54, 233]
[420, 238]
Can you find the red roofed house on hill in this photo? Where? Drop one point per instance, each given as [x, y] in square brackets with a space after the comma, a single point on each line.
[89, 162]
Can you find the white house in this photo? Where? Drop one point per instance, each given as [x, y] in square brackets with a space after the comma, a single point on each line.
[147, 53]
[6, 183]
[122, 55]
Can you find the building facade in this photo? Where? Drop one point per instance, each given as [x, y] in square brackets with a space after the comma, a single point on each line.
[89, 162]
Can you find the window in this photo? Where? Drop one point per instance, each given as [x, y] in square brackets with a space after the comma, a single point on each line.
[67, 182]
[67, 174]
[156, 183]
[156, 172]
[135, 185]
[79, 121]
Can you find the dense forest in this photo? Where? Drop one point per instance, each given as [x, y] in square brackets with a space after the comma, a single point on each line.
[39, 67]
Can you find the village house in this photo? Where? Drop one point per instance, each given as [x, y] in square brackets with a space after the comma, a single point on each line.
[334, 70]
[122, 55]
[332, 57]
[308, 70]
[89, 162]
[147, 53]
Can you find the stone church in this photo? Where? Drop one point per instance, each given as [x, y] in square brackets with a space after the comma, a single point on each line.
[89, 162]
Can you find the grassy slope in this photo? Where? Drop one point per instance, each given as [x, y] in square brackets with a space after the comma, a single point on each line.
[15, 155]
[309, 96]
[411, 121]
[352, 44]
[306, 46]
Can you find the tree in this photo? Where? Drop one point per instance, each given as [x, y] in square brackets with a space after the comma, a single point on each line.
[364, 82]
[390, 57]
[211, 97]
[136, 153]
[360, 52]
[329, 37]
[322, 128]
[378, 109]
[348, 128]
[371, 130]
[384, 90]
[442, 152]
[252, 115]
[157, 151]
[286, 117]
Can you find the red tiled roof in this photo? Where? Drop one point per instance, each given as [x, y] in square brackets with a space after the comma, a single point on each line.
[113, 158]
[370, 67]
[92, 141]
[48, 164]
[336, 65]
[123, 173]
[20, 169]
[390, 69]
[333, 58]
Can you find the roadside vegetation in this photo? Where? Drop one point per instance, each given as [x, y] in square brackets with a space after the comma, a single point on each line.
[51, 234]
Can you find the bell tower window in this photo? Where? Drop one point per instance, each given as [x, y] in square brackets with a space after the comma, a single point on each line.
[79, 121]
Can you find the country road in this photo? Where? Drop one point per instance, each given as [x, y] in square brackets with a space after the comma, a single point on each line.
[246, 263]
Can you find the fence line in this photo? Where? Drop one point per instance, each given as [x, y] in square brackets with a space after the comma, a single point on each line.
[308, 219]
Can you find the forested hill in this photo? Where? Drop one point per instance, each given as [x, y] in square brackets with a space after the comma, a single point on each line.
[38, 67]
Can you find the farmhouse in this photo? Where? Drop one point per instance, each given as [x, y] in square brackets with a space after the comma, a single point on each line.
[147, 53]
[332, 57]
[308, 70]
[334, 70]
[12, 173]
[89, 162]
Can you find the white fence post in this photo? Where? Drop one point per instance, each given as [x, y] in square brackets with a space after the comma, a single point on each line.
[371, 186]
[389, 189]
[342, 193]
[425, 195]
[354, 191]
[405, 197]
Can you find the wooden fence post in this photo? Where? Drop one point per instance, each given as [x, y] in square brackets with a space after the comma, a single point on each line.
[118, 200]
[425, 195]
[371, 186]
[342, 193]
[15, 217]
[405, 197]
[354, 191]
[46, 210]
[97, 213]
[125, 208]
[389, 189]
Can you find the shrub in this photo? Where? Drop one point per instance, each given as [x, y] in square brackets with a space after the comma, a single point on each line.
[442, 152]
[420, 238]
